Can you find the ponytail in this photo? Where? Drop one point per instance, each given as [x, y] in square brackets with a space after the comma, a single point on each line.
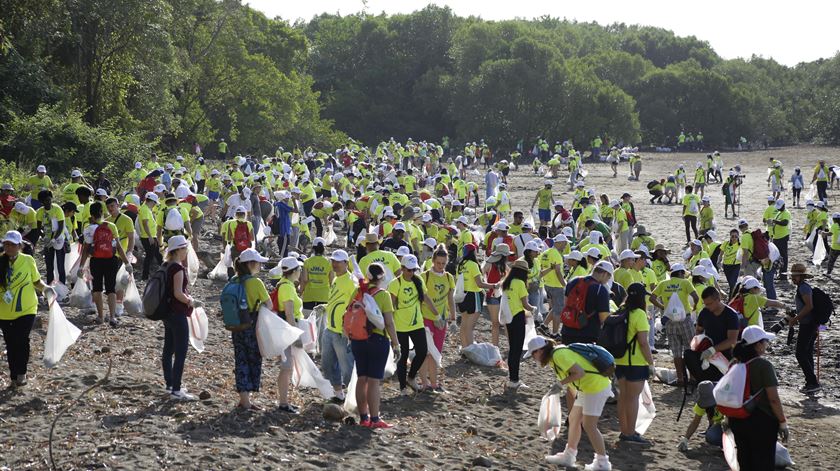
[419, 285]
[5, 264]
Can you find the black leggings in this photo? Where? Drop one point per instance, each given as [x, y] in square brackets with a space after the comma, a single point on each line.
[152, 255]
[16, 335]
[176, 339]
[54, 259]
[690, 221]
[821, 191]
[805, 351]
[516, 338]
[755, 438]
[418, 337]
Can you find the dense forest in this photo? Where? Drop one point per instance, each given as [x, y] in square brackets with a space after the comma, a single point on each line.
[89, 81]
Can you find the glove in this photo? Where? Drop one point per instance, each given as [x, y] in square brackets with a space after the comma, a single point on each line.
[683, 446]
[556, 388]
[652, 371]
[298, 344]
[397, 355]
[708, 353]
[784, 432]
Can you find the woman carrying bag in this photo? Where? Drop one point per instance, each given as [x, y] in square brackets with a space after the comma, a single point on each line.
[176, 331]
[516, 289]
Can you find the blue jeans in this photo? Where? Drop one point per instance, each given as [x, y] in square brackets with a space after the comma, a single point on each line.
[336, 358]
[176, 339]
[769, 285]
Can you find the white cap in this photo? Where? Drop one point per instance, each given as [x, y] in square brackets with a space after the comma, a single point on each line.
[101, 192]
[251, 255]
[835, 216]
[457, 203]
[403, 251]
[13, 237]
[491, 200]
[697, 242]
[339, 256]
[593, 252]
[240, 209]
[700, 270]
[410, 262]
[579, 184]
[176, 242]
[533, 245]
[771, 198]
[500, 226]
[214, 172]
[430, 242]
[527, 225]
[575, 255]
[750, 282]
[820, 204]
[606, 266]
[626, 254]
[138, 165]
[568, 231]
[288, 263]
[160, 188]
[399, 227]
[753, 334]
[706, 199]
[743, 222]
[711, 234]
[560, 238]
[41, 169]
[595, 237]
[75, 174]
[426, 218]
[182, 192]
[463, 220]
[614, 203]
[677, 267]
[319, 241]
[780, 203]
[152, 197]
[699, 165]
[535, 344]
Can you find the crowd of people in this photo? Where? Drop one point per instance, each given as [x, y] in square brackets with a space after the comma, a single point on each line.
[427, 255]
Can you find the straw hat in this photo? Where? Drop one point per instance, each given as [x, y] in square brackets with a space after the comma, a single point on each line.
[799, 269]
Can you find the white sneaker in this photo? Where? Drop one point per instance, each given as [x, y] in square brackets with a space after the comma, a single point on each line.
[516, 385]
[599, 464]
[565, 459]
[182, 395]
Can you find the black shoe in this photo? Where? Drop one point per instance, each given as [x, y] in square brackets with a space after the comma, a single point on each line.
[288, 408]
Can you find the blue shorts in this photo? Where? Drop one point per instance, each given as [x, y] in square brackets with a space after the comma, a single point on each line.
[632, 373]
[544, 214]
[494, 301]
[371, 355]
[213, 195]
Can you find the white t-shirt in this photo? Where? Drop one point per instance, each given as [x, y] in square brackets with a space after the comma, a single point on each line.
[234, 201]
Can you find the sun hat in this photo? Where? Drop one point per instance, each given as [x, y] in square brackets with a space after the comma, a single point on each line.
[520, 263]
[533, 245]
[319, 241]
[754, 334]
[463, 220]
[605, 266]
[176, 242]
[575, 255]
[371, 238]
[410, 262]
[13, 237]
[41, 169]
[339, 256]
[750, 282]
[643, 251]
[289, 263]
[627, 254]
[403, 251]
[535, 344]
[251, 255]
[700, 270]
[799, 269]
[501, 250]
[640, 230]
[677, 267]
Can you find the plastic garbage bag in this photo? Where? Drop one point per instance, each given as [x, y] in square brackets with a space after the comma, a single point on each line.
[329, 234]
[460, 294]
[81, 296]
[219, 273]
[809, 242]
[819, 253]
[305, 374]
[783, 459]
[309, 337]
[483, 354]
[350, 396]
[647, 411]
[122, 279]
[199, 326]
[61, 334]
[432, 349]
[71, 263]
[372, 311]
[550, 420]
[226, 258]
[665, 375]
[274, 335]
[192, 264]
[675, 311]
[132, 302]
[390, 364]
[61, 290]
[530, 331]
[730, 451]
[505, 316]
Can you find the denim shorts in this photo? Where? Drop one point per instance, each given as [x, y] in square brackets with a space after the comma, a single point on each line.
[632, 373]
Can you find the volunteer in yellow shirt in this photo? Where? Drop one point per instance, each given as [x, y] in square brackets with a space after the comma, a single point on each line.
[631, 369]
[290, 308]
[473, 300]
[679, 331]
[19, 279]
[515, 289]
[440, 288]
[334, 345]
[407, 294]
[754, 302]
[316, 277]
[592, 390]
[691, 210]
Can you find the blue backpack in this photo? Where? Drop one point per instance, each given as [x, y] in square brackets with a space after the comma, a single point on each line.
[601, 359]
[235, 311]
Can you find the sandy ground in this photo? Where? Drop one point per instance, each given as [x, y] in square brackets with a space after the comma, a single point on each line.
[128, 423]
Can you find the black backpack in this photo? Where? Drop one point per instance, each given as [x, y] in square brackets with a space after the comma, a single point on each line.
[613, 336]
[157, 294]
[823, 305]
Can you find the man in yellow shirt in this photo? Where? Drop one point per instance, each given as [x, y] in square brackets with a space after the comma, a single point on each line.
[36, 183]
[779, 225]
[336, 358]
[691, 209]
[551, 273]
[148, 234]
[679, 331]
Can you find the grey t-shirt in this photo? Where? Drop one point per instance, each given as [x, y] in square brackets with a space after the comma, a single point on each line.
[803, 290]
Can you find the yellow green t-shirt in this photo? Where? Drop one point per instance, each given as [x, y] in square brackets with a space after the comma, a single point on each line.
[36, 184]
[407, 316]
[20, 289]
[47, 217]
[700, 412]
[730, 252]
[683, 287]
[438, 287]
[627, 276]
[470, 270]
[691, 205]
[286, 292]
[342, 291]
[385, 303]
[387, 259]
[515, 293]
[317, 289]
[255, 293]
[125, 226]
[550, 259]
[563, 359]
[144, 214]
[637, 322]
[544, 197]
[752, 305]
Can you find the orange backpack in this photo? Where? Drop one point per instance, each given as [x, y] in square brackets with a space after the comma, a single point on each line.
[356, 324]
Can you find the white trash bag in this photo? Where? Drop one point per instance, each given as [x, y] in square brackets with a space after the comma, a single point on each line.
[305, 374]
[483, 354]
[730, 451]
[309, 337]
[390, 364]
[505, 316]
[530, 331]
[783, 459]
[274, 335]
[61, 290]
[550, 420]
[460, 294]
[132, 302]
[350, 396]
[432, 349]
[819, 252]
[61, 334]
[122, 279]
[219, 273]
[192, 264]
[675, 311]
[647, 410]
[81, 296]
[199, 328]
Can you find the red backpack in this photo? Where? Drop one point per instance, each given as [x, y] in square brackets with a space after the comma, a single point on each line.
[355, 323]
[241, 237]
[574, 314]
[104, 243]
[761, 249]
